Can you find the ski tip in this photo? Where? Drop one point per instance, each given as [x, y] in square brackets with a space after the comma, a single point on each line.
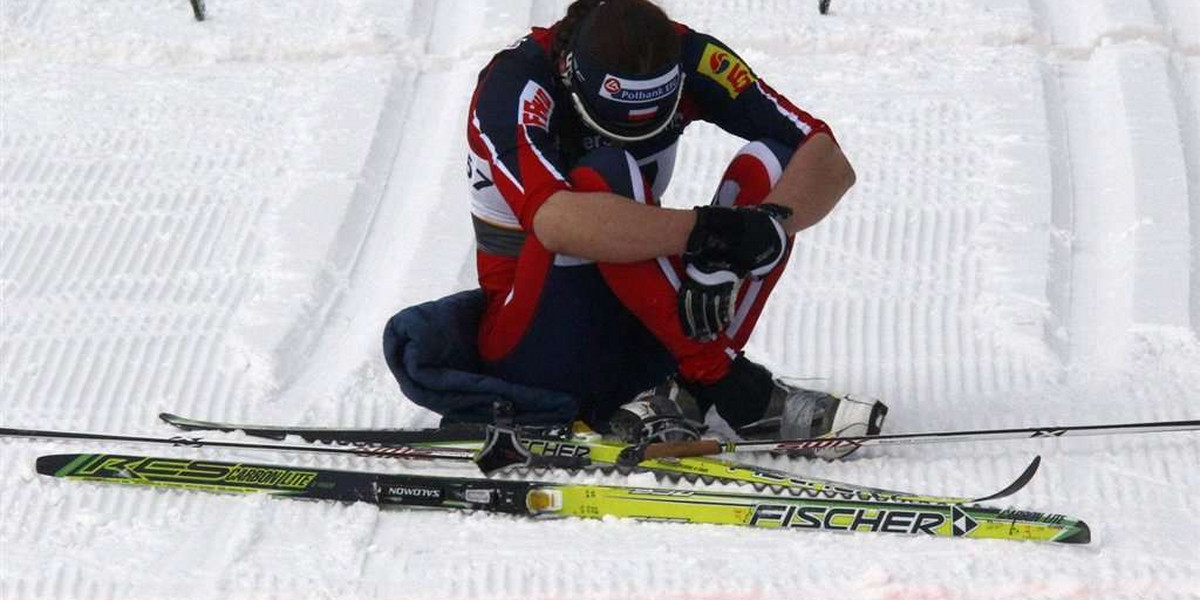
[52, 464]
[187, 424]
[1020, 482]
[1081, 535]
[45, 465]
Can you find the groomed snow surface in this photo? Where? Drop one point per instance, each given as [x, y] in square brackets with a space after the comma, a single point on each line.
[216, 219]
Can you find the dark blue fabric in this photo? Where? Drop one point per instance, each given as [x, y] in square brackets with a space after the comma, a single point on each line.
[583, 341]
[431, 350]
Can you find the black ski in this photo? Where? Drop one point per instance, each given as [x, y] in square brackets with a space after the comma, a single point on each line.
[373, 450]
[464, 432]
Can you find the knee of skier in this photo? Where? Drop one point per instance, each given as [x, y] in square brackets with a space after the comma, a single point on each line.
[752, 173]
[610, 170]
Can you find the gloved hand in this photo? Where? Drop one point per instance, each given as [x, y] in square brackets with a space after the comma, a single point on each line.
[726, 246]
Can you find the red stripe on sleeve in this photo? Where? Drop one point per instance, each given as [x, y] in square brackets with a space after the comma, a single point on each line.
[787, 107]
[540, 181]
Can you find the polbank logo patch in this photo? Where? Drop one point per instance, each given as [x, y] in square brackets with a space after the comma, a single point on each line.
[721, 66]
[640, 91]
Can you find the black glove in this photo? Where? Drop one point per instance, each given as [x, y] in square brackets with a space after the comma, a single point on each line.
[706, 309]
[725, 246]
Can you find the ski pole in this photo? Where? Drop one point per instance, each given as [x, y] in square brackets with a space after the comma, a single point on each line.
[356, 449]
[710, 447]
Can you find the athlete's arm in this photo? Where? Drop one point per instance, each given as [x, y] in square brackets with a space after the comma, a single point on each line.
[609, 228]
[813, 182]
[606, 227]
[732, 96]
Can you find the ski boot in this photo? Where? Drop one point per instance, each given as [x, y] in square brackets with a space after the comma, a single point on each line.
[760, 406]
[659, 414]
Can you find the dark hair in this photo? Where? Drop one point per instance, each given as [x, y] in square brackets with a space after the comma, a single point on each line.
[630, 36]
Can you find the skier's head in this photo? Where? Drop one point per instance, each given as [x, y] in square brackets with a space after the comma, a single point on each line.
[619, 60]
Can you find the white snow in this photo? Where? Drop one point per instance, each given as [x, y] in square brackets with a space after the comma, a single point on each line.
[217, 218]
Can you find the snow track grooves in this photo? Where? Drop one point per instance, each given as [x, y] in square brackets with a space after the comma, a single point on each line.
[155, 253]
[914, 288]
[147, 258]
[1131, 255]
[1186, 93]
[419, 134]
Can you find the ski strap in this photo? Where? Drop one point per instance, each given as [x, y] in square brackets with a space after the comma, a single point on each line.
[504, 448]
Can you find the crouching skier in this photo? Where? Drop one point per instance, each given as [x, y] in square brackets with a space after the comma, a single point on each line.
[596, 303]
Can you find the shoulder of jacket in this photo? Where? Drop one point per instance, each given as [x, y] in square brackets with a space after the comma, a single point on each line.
[526, 57]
